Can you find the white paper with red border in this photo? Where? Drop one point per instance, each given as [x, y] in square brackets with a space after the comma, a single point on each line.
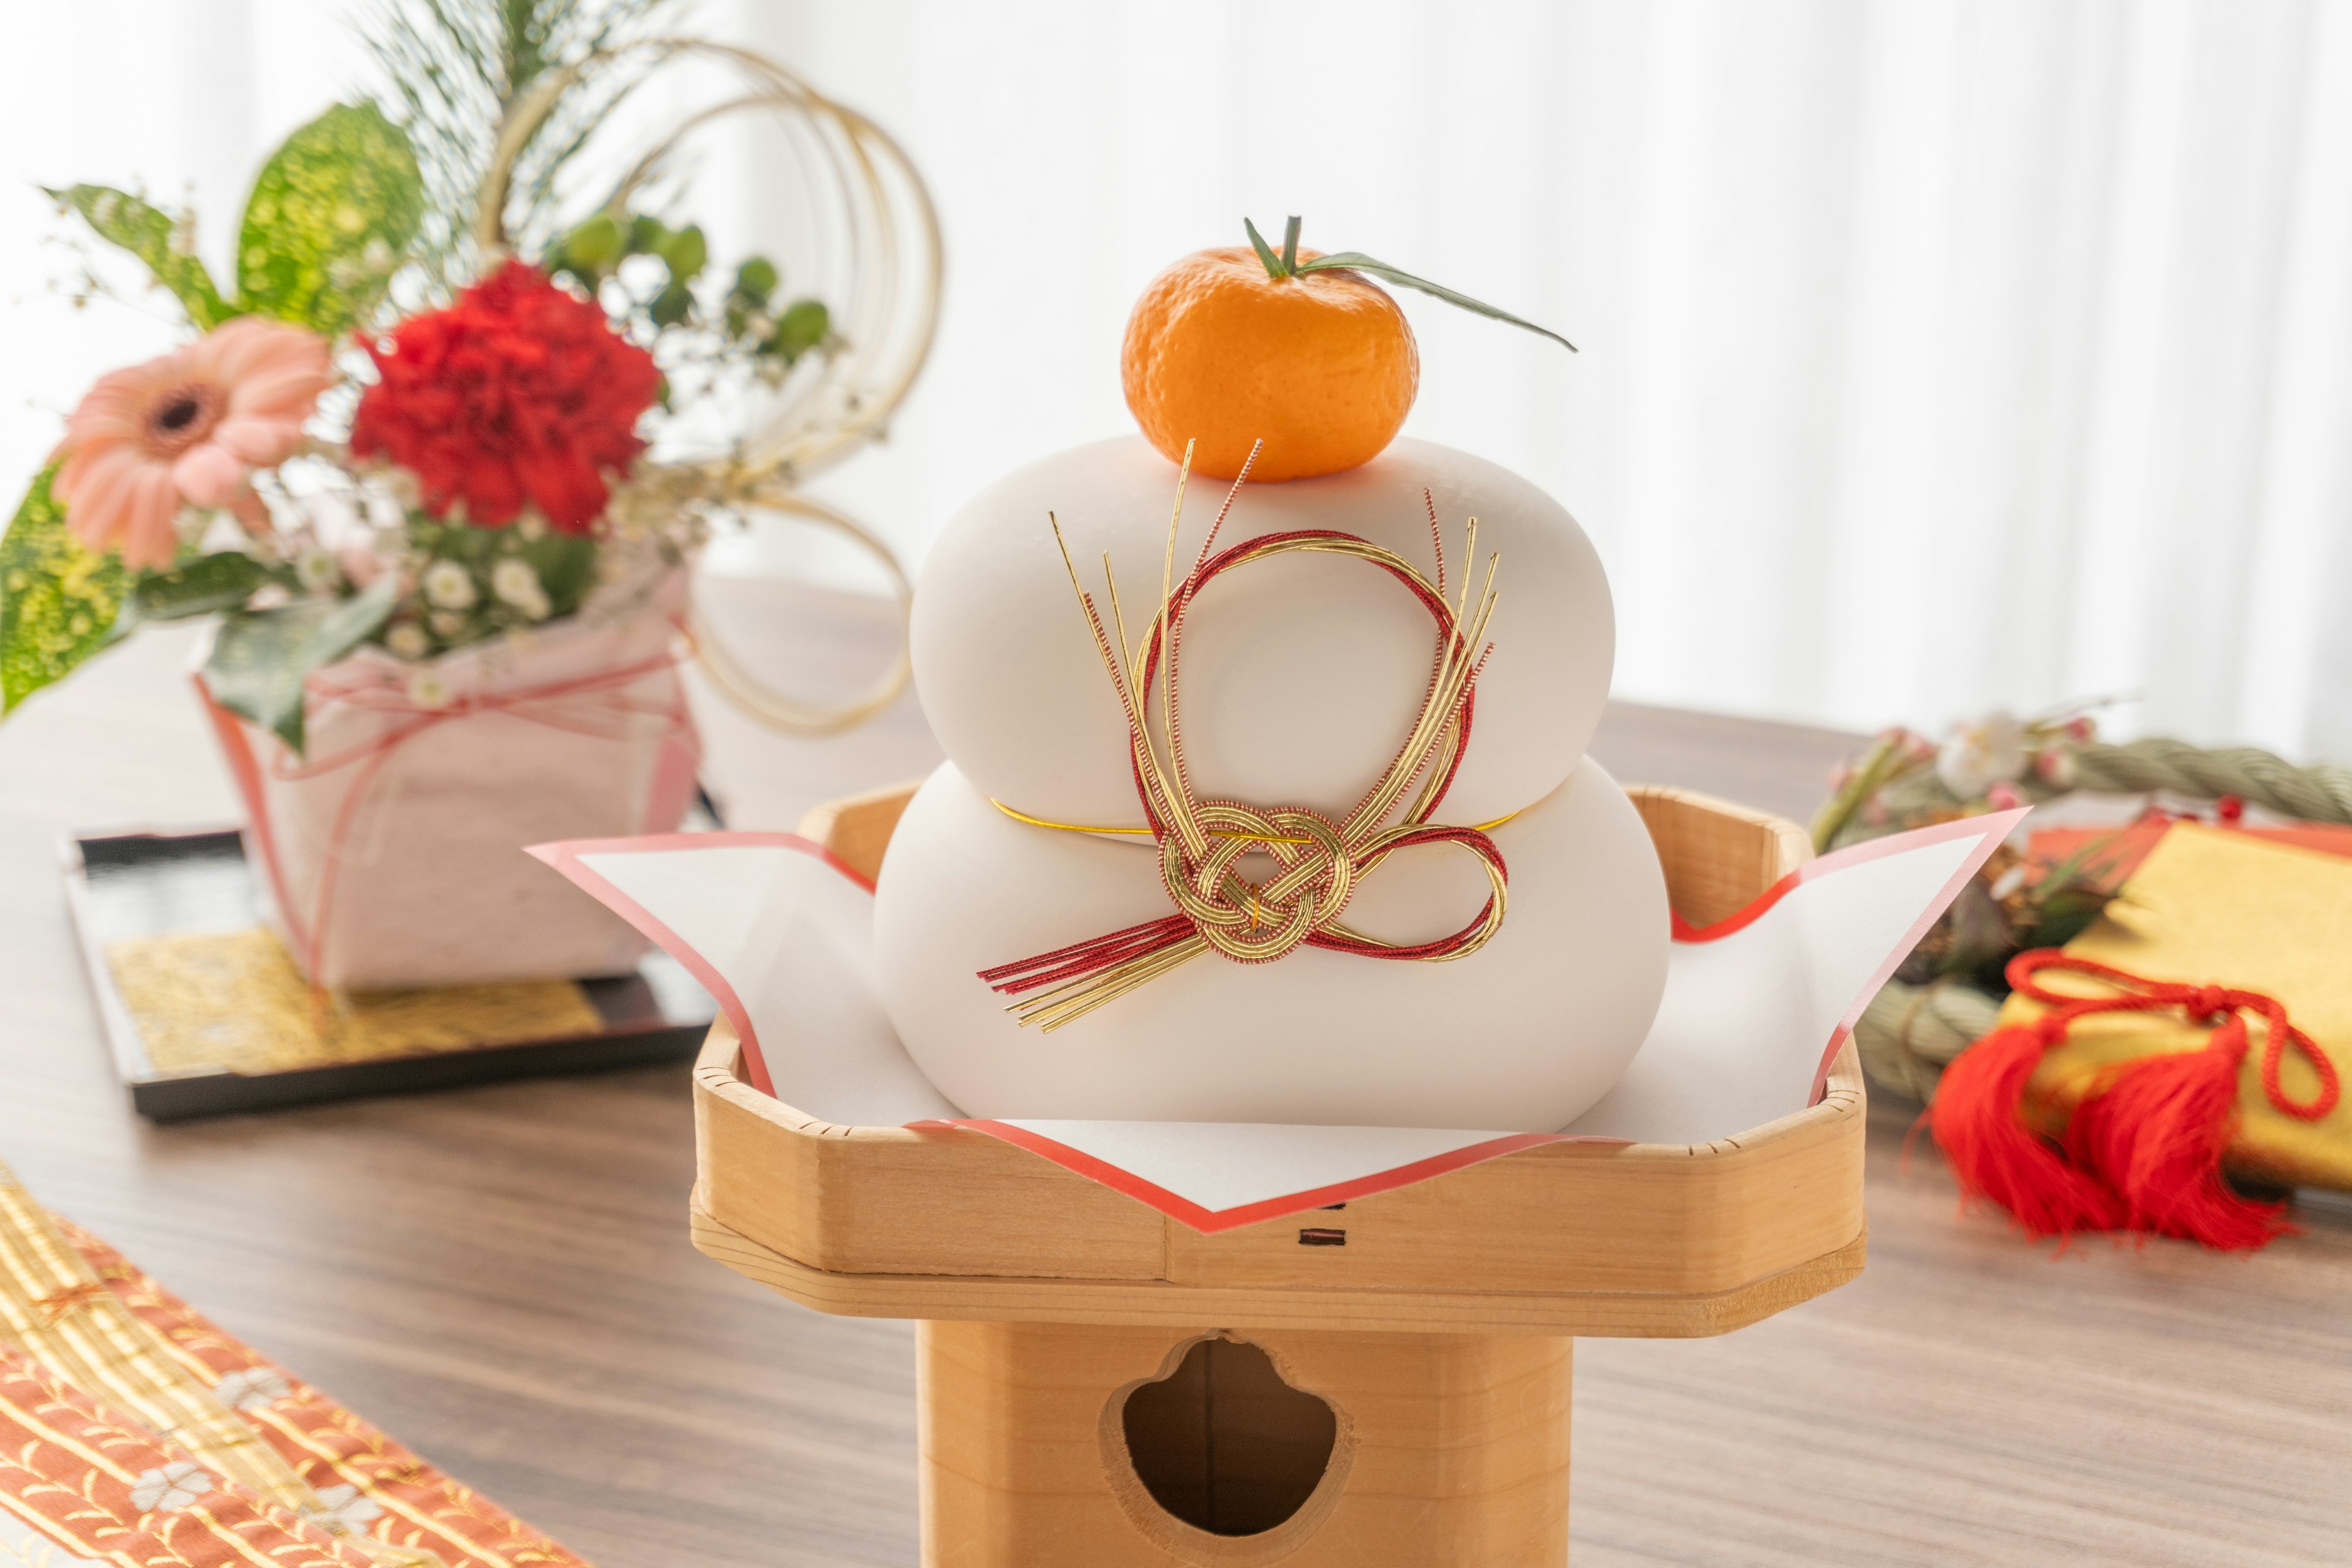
[1756, 1007]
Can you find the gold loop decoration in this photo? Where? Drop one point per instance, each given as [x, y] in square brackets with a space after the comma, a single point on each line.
[1318, 862]
[882, 247]
[784, 714]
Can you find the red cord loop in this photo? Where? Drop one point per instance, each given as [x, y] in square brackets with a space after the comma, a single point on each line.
[2217, 1005]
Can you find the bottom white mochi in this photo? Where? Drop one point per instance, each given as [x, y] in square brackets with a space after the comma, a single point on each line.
[1525, 1034]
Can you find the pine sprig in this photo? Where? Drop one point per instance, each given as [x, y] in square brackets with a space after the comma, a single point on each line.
[456, 68]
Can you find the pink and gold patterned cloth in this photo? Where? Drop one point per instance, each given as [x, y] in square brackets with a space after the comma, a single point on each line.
[134, 1434]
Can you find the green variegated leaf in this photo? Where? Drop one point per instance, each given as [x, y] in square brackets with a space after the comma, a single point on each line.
[261, 657]
[222, 581]
[330, 220]
[59, 602]
[150, 234]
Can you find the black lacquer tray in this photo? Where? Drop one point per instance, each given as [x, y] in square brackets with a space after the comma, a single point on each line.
[127, 889]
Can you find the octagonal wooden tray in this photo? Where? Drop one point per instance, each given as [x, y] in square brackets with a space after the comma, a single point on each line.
[1561, 1240]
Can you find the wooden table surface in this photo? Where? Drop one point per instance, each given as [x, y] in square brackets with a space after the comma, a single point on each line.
[502, 1276]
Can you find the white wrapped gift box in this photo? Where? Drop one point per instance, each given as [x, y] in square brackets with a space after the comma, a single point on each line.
[388, 854]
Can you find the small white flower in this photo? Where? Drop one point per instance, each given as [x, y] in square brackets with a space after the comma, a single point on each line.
[176, 1485]
[407, 640]
[1982, 752]
[449, 585]
[513, 580]
[406, 494]
[254, 1388]
[317, 570]
[446, 622]
[347, 1511]
[328, 517]
[532, 526]
[427, 689]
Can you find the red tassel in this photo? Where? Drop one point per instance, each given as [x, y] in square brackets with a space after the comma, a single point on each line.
[2143, 1151]
[2158, 1128]
[1978, 1119]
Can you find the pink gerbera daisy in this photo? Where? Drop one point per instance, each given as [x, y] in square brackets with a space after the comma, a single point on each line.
[187, 429]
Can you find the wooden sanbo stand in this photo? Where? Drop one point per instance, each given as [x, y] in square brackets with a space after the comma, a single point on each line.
[1382, 1384]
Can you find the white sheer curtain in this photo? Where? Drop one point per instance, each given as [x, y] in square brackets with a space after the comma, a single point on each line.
[1937, 352]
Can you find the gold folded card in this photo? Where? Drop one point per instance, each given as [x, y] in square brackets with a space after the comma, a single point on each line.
[2219, 907]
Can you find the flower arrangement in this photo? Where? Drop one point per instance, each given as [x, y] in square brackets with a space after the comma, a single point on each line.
[431, 464]
[390, 431]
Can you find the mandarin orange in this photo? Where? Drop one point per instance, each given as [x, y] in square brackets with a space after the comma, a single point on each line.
[1320, 366]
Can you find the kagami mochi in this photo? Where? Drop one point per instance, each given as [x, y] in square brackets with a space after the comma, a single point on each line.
[1301, 674]
[1269, 804]
[1525, 1034]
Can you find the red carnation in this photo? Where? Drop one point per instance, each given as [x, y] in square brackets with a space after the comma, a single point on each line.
[516, 394]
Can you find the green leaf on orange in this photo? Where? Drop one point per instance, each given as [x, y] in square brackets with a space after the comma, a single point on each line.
[1357, 262]
[1274, 268]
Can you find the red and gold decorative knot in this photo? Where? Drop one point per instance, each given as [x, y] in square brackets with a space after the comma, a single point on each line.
[1318, 862]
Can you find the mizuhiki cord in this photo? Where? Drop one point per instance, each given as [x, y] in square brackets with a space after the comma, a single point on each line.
[1317, 861]
[1018, 815]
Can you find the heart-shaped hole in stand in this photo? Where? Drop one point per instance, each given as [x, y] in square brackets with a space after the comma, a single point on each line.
[1226, 1445]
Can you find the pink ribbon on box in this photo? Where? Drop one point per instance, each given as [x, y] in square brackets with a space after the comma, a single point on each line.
[598, 704]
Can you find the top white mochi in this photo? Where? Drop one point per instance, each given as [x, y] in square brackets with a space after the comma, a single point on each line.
[1301, 673]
